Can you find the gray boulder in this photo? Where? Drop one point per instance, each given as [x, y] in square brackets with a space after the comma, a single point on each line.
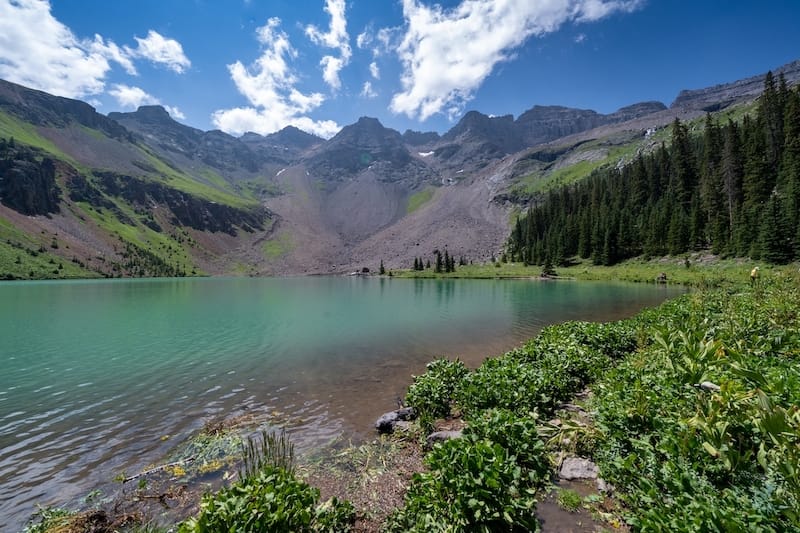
[386, 422]
[578, 468]
[441, 436]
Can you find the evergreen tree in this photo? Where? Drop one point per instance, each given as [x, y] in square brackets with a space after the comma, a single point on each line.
[776, 236]
[438, 268]
[382, 270]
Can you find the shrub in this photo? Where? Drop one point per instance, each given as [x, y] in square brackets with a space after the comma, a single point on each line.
[472, 485]
[517, 434]
[432, 393]
[271, 500]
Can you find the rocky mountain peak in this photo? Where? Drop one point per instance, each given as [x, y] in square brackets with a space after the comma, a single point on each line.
[293, 137]
[152, 114]
[419, 138]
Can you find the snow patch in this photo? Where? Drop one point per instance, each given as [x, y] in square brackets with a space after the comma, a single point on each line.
[425, 154]
[280, 172]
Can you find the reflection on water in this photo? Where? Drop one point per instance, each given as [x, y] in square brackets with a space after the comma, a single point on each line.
[95, 373]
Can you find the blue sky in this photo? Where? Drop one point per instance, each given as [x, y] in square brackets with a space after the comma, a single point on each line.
[259, 65]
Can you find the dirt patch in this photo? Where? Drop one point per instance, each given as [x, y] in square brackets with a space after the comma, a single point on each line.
[373, 476]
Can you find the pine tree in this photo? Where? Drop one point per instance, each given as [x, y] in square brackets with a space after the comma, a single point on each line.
[776, 236]
[438, 268]
[416, 264]
[382, 270]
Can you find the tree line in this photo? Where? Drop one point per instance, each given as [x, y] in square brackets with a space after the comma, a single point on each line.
[734, 190]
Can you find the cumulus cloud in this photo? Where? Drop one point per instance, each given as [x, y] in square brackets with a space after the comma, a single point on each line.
[367, 91]
[158, 49]
[37, 50]
[174, 112]
[374, 70]
[580, 38]
[336, 37]
[130, 97]
[269, 86]
[447, 54]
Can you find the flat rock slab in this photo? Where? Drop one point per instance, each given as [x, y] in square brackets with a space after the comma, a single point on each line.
[578, 468]
[441, 436]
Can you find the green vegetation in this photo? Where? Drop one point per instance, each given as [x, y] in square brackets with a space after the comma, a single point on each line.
[48, 519]
[268, 497]
[733, 189]
[569, 500]
[418, 199]
[147, 252]
[703, 271]
[696, 418]
[154, 166]
[278, 246]
[27, 257]
[25, 133]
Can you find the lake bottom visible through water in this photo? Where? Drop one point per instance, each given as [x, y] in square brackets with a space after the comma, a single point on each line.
[106, 377]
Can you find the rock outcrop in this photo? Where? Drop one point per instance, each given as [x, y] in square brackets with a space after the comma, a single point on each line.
[725, 94]
[27, 183]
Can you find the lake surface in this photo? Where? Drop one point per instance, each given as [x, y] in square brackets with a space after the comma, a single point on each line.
[96, 373]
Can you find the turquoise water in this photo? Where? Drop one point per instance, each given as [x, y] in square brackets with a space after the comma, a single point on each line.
[96, 373]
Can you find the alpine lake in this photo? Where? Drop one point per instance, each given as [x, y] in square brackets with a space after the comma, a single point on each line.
[104, 377]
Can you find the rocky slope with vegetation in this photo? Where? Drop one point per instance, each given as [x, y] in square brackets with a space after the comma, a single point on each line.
[209, 203]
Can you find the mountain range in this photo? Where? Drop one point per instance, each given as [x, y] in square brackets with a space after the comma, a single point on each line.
[140, 194]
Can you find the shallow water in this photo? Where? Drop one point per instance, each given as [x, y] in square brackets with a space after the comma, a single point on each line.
[96, 373]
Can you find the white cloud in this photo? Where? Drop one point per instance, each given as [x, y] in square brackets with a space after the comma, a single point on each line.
[112, 51]
[174, 112]
[159, 49]
[364, 39]
[447, 54]
[269, 86]
[580, 38]
[374, 70]
[132, 97]
[38, 51]
[336, 37]
[367, 91]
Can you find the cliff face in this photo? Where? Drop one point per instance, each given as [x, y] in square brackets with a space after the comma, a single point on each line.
[725, 94]
[27, 180]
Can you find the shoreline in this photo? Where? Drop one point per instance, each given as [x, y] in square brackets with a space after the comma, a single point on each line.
[379, 413]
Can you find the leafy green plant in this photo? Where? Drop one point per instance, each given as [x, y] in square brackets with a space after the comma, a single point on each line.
[518, 435]
[271, 500]
[686, 455]
[472, 485]
[433, 392]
